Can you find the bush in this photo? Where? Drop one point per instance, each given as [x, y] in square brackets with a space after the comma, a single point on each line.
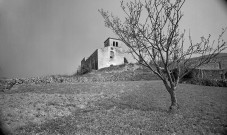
[208, 82]
[222, 83]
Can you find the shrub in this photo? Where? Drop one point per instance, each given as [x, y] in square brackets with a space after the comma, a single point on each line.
[208, 82]
[222, 83]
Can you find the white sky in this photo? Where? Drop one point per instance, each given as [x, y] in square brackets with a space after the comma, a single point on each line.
[43, 37]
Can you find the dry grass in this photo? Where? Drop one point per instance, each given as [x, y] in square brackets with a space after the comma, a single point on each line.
[113, 108]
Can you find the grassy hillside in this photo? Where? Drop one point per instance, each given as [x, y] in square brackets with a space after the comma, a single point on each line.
[133, 107]
[128, 72]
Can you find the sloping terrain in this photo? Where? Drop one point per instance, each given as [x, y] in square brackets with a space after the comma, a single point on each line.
[128, 72]
[123, 107]
[124, 99]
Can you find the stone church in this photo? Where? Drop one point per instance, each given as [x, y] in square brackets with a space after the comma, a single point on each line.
[111, 54]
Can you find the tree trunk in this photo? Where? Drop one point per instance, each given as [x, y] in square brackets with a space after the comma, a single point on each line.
[174, 105]
[171, 89]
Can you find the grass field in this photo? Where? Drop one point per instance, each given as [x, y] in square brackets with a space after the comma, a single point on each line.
[133, 107]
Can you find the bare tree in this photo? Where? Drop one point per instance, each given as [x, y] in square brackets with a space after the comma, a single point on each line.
[151, 31]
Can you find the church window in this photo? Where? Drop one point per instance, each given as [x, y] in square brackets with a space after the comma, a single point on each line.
[116, 44]
[113, 43]
[111, 54]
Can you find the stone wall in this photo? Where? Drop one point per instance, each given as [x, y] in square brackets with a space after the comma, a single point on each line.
[209, 74]
[220, 62]
[217, 69]
[90, 63]
[210, 66]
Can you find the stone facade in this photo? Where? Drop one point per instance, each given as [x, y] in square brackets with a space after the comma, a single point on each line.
[211, 66]
[111, 54]
[218, 63]
[213, 70]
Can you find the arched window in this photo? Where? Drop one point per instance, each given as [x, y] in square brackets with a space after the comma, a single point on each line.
[111, 54]
[113, 43]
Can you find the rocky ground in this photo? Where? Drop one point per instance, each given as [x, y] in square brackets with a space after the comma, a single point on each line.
[129, 72]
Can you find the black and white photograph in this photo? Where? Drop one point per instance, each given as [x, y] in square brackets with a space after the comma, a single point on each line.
[113, 67]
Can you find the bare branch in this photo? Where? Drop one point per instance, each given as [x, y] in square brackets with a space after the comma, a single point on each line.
[157, 40]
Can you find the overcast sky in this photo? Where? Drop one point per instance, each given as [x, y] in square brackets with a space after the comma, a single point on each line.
[44, 37]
